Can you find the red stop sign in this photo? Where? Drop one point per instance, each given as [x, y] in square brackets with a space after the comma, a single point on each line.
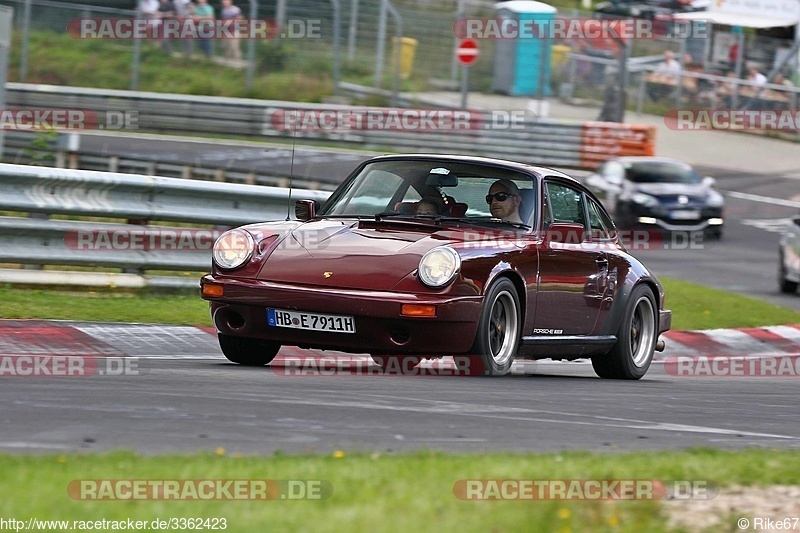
[467, 52]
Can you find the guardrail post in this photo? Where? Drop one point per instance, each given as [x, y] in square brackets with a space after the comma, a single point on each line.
[67, 146]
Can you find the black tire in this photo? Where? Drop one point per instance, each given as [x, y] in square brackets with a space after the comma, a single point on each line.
[403, 364]
[247, 351]
[632, 354]
[786, 286]
[498, 335]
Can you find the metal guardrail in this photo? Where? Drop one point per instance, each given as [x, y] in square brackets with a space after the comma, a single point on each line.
[541, 141]
[133, 246]
[23, 147]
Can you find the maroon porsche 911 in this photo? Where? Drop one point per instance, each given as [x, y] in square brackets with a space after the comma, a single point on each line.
[425, 256]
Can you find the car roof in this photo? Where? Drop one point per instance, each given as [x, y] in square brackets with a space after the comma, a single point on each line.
[538, 170]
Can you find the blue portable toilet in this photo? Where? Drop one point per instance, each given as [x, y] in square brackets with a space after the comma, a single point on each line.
[522, 66]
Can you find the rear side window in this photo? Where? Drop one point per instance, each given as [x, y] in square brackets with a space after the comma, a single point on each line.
[599, 223]
[566, 204]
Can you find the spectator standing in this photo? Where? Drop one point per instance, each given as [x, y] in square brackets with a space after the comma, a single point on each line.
[756, 78]
[183, 11]
[670, 66]
[667, 76]
[148, 10]
[166, 12]
[204, 18]
[231, 46]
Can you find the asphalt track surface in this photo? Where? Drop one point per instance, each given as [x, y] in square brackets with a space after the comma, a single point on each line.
[184, 405]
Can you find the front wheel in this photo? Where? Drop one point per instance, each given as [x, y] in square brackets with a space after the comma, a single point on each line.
[498, 335]
[636, 339]
[247, 351]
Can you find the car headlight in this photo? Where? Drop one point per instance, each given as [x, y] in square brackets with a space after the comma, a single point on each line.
[644, 199]
[715, 199]
[233, 249]
[439, 266]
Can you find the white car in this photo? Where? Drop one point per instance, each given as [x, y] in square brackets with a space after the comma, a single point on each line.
[789, 258]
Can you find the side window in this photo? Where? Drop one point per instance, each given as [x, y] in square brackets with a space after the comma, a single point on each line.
[601, 226]
[373, 194]
[566, 204]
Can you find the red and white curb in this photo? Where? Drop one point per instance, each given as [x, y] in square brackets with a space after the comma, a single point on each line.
[65, 338]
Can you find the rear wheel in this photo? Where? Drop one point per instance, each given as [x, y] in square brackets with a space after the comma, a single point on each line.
[789, 287]
[247, 351]
[636, 339]
[497, 339]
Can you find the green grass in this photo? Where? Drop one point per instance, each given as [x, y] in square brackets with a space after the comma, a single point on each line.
[693, 307]
[408, 492]
[698, 307]
[104, 306]
[59, 59]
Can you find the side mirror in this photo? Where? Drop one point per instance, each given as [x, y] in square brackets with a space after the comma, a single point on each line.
[305, 210]
[708, 181]
[565, 233]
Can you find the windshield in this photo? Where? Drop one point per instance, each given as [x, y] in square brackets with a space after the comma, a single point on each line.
[436, 189]
[661, 172]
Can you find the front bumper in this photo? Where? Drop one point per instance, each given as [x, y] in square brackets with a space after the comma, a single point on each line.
[661, 216]
[380, 327]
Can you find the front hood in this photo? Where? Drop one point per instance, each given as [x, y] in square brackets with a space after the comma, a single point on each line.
[353, 255]
[667, 191]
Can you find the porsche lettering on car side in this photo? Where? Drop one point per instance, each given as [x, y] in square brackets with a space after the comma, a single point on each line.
[424, 256]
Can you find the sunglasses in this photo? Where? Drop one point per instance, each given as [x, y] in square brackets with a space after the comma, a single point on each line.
[499, 196]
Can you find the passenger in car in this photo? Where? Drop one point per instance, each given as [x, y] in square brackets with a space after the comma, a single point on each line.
[430, 206]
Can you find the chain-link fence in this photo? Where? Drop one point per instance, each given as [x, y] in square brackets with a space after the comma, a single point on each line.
[373, 44]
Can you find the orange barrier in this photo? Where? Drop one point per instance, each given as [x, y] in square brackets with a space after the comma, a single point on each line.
[606, 140]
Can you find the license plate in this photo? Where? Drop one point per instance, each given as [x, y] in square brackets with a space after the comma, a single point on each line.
[310, 321]
[685, 215]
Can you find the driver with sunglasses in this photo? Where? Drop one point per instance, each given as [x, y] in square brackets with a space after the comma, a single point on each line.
[504, 200]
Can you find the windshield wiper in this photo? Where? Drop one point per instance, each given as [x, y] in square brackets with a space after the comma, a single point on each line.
[386, 214]
[482, 218]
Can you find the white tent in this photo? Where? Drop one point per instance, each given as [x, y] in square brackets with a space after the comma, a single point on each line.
[749, 13]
